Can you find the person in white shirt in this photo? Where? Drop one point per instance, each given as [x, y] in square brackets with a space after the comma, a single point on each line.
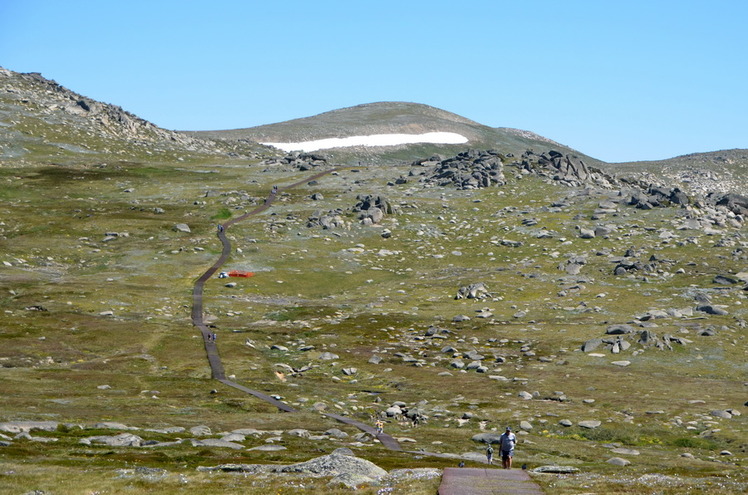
[507, 441]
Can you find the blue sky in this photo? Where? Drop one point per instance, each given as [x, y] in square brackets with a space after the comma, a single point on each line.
[620, 81]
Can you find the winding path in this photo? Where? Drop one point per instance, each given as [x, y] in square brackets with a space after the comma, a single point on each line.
[216, 365]
[454, 482]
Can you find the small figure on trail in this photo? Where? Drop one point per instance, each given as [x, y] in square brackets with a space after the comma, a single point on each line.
[507, 441]
[213, 335]
[489, 454]
[275, 190]
[220, 228]
[379, 426]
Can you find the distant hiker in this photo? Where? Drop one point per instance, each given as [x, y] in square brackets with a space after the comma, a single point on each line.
[489, 454]
[507, 441]
[275, 190]
[214, 337]
[220, 228]
[380, 426]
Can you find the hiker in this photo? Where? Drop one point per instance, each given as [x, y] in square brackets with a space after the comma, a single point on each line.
[489, 454]
[507, 441]
[214, 336]
[380, 426]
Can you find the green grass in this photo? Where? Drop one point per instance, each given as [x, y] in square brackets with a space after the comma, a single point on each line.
[353, 293]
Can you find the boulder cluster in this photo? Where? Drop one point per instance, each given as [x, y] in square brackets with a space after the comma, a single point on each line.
[566, 169]
[302, 161]
[656, 196]
[327, 220]
[372, 209]
[470, 169]
[369, 208]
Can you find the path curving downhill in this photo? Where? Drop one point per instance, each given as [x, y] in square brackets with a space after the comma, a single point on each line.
[214, 359]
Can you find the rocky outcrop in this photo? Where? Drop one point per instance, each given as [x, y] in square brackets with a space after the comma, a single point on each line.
[736, 203]
[565, 169]
[329, 220]
[473, 291]
[373, 208]
[657, 196]
[302, 161]
[53, 101]
[471, 169]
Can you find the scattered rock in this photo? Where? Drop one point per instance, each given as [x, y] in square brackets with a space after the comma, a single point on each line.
[622, 451]
[216, 442]
[121, 440]
[28, 426]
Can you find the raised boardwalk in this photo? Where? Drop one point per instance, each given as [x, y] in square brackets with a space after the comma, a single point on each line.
[214, 359]
[478, 481]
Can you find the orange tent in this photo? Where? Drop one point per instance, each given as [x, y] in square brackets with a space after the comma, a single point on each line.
[238, 273]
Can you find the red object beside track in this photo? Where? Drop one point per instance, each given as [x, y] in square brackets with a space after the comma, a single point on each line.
[237, 273]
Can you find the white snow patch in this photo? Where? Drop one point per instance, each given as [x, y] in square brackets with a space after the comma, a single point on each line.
[373, 140]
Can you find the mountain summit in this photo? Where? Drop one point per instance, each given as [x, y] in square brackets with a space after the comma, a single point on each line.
[392, 118]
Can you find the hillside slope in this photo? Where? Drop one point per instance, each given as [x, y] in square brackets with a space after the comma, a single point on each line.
[39, 117]
[720, 171]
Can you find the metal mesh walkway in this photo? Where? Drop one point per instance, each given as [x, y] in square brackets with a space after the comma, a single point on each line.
[476, 481]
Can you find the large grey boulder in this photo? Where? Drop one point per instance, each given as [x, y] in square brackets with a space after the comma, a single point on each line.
[299, 432]
[336, 464]
[27, 426]
[712, 309]
[486, 437]
[350, 480]
[200, 431]
[216, 442]
[619, 329]
[121, 440]
[591, 345]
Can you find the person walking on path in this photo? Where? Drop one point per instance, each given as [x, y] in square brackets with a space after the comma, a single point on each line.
[507, 441]
[380, 426]
[489, 454]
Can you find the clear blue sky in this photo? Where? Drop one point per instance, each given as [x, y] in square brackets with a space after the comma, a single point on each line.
[618, 80]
